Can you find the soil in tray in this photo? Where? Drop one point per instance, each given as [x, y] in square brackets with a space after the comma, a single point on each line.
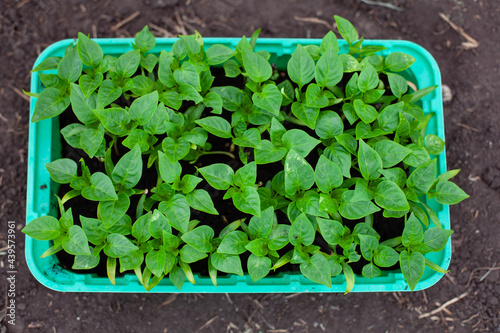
[387, 228]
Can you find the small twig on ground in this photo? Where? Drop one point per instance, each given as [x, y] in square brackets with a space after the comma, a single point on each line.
[22, 3]
[291, 296]
[466, 126]
[229, 298]
[181, 29]
[425, 297]
[383, 4]
[125, 21]
[467, 320]
[487, 273]
[481, 269]
[168, 301]
[314, 20]
[20, 93]
[164, 32]
[277, 331]
[444, 306]
[471, 42]
[210, 321]
[398, 299]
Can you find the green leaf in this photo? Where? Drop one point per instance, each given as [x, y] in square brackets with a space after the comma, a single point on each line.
[413, 233]
[390, 196]
[200, 238]
[301, 231]
[143, 108]
[177, 212]
[157, 224]
[436, 238]
[82, 107]
[299, 174]
[301, 67]
[327, 175]
[201, 200]
[48, 63]
[169, 172]
[247, 201]
[257, 68]
[126, 65]
[246, 175]
[145, 41]
[140, 229]
[43, 228]
[115, 120]
[50, 103]
[307, 114]
[107, 94]
[218, 54]
[155, 261]
[448, 193]
[94, 234]
[258, 267]
[170, 242]
[315, 97]
[258, 247]
[128, 170]
[76, 242]
[233, 243]
[268, 153]
[189, 254]
[218, 175]
[317, 269]
[340, 156]
[331, 230]
[249, 138]
[177, 276]
[398, 61]
[369, 161]
[63, 170]
[227, 263]
[131, 261]
[365, 112]
[92, 139]
[301, 142]
[70, 66]
[86, 261]
[370, 271]
[346, 29]
[413, 266]
[348, 142]
[328, 125]
[278, 238]
[101, 188]
[391, 152]
[398, 84]
[165, 74]
[434, 144]
[141, 138]
[113, 210]
[385, 256]
[232, 68]
[368, 244]
[89, 51]
[329, 68]
[329, 42]
[216, 125]
[368, 78]
[419, 94]
[261, 226]
[214, 101]
[357, 209]
[269, 99]
[175, 150]
[349, 63]
[422, 178]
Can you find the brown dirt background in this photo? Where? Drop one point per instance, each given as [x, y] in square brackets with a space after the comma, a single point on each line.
[472, 136]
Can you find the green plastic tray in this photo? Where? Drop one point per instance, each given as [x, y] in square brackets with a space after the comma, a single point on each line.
[45, 146]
